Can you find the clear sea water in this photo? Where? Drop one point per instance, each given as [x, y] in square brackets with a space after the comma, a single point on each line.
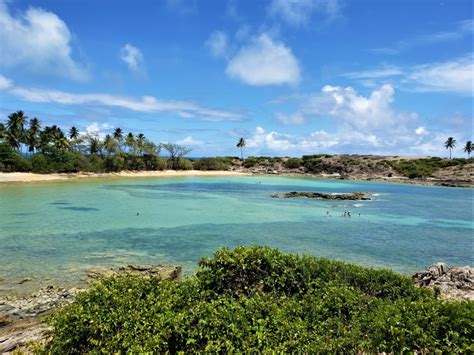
[53, 232]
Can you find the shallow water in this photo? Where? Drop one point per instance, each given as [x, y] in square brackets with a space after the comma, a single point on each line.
[52, 232]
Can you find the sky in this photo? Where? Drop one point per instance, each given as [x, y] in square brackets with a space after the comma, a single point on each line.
[291, 77]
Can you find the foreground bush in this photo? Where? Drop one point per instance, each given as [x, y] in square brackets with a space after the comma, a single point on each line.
[259, 299]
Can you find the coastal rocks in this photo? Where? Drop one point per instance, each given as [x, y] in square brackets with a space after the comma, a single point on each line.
[20, 321]
[354, 196]
[19, 317]
[162, 271]
[455, 283]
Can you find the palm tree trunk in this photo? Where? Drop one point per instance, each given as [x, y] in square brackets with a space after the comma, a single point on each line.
[242, 153]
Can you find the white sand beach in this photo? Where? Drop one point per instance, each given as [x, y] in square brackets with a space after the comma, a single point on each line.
[30, 177]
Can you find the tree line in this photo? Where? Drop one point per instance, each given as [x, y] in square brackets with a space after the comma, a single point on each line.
[51, 149]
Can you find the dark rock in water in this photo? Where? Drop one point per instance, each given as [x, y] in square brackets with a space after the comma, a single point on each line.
[162, 271]
[455, 283]
[354, 196]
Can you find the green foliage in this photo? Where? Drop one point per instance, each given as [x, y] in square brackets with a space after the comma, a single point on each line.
[293, 163]
[424, 167]
[180, 164]
[212, 164]
[318, 166]
[261, 300]
[11, 160]
[262, 161]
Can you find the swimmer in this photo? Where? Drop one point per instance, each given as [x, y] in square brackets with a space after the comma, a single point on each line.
[138, 214]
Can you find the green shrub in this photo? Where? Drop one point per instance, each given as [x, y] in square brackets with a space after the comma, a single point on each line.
[293, 163]
[180, 164]
[11, 161]
[261, 300]
[211, 164]
[42, 164]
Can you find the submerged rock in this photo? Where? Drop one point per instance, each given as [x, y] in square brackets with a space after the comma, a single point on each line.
[354, 196]
[455, 283]
[162, 271]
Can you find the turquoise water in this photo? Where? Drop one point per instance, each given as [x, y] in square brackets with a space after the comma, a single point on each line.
[52, 232]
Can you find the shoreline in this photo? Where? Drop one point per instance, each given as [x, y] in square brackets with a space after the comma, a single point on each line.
[20, 178]
[17, 177]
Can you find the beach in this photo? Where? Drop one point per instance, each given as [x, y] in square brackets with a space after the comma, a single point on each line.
[30, 177]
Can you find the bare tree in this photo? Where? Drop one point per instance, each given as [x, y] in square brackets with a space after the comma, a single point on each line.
[176, 152]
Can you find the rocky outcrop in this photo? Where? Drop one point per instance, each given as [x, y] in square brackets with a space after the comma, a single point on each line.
[20, 316]
[455, 283]
[162, 271]
[20, 321]
[354, 196]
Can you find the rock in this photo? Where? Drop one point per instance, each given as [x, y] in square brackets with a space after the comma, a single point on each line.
[20, 321]
[162, 271]
[354, 196]
[22, 281]
[456, 283]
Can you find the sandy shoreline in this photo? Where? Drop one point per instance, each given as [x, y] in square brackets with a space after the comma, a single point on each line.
[30, 177]
[14, 178]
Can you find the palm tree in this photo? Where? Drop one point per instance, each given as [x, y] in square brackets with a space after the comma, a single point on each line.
[130, 143]
[450, 144]
[15, 129]
[468, 148]
[241, 145]
[95, 146]
[110, 144]
[118, 135]
[140, 142]
[32, 134]
[74, 137]
[73, 133]
[3, 132]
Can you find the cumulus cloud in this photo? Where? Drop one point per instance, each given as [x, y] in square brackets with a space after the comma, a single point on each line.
[190, 141]
[299, 12]
[39, 41]
[185, 109]
[97, 129]
[264, 61]
[421, 131]
[132, 56]
[217, 44]
[362, 123]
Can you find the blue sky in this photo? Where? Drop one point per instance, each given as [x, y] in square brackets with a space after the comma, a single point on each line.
[292, 77]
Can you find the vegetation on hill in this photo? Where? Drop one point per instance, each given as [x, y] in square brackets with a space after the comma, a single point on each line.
[262, 300]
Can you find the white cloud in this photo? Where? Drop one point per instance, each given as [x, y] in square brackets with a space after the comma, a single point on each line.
[5, 83]
[183, 109]
[296, 118]
[299, 12]
[456, 76]
[463, 29]
[217, 44]
[382, 72]
[39, 41]
[132, 56]
[190, 141]
[97, 129]
[264, 62]
[421, 131]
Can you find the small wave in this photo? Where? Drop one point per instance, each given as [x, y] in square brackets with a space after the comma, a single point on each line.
[358, 205]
